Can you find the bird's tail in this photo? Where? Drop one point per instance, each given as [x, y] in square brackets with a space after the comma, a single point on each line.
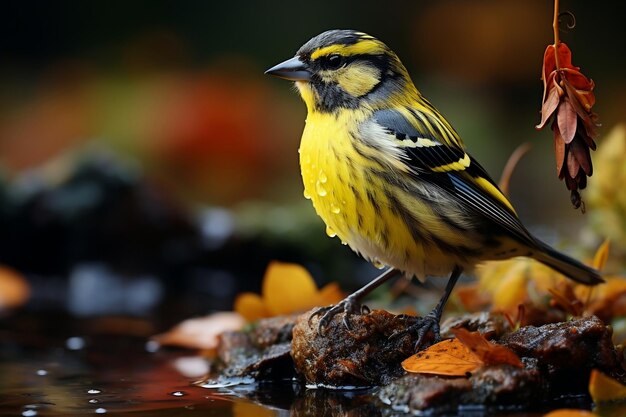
[569, 267]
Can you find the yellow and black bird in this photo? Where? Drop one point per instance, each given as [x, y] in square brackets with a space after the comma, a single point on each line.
[391, 177]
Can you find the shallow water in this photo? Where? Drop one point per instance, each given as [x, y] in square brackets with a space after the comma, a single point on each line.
[121, 374]
[62, 383]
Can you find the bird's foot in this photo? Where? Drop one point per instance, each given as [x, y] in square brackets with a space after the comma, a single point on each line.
[349, 305]
[423, 327]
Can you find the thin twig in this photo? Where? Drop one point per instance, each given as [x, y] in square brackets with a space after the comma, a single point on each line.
[555, 28]
[510, 165]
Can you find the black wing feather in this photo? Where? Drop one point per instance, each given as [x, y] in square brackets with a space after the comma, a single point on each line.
[458, 183]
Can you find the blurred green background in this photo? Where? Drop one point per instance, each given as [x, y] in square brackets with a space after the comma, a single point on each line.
[173, 93]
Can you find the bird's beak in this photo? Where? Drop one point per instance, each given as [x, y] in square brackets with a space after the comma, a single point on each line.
[292, 69]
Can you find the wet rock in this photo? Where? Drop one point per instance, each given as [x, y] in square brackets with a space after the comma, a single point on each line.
[492, 386]
[492, 326]
[582, 342]
[567, 351]
[415, 392]
[364, 355]
[261, 352]
[273, 331]
[506, 385]
[557, 360]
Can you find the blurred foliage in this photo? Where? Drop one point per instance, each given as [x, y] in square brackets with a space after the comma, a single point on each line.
[180, 87]
[607, 199]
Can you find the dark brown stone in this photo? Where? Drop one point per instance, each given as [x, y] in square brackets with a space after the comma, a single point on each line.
[498, 385]
[262, 351]
[415, 392]
[583, 343]
[363, 355]
[489, 325]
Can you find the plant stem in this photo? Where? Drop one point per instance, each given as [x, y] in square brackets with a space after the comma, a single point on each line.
[555, 28]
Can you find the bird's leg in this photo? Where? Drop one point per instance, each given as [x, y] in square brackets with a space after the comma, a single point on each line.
[351, 304]
[430, 322]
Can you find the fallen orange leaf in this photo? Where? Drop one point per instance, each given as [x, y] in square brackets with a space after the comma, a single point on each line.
[603, 388]
[449, 357]
[489, 353]
[570, 412]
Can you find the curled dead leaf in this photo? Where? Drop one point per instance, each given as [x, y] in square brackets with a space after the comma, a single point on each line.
[460, 356]
[489, 353]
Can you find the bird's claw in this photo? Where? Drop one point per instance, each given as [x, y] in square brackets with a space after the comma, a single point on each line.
[423, 326]
[349, 306]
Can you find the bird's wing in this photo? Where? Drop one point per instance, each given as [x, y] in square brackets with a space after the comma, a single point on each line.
[445, 163]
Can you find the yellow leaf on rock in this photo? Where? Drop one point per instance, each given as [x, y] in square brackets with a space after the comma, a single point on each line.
[449, 357]
[288, 288]
[603, 388]
[251, 306]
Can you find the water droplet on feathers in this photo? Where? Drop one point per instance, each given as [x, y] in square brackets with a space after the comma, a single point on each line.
[319, 187]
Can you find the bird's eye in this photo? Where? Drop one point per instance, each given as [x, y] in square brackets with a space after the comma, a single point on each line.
[332, 62]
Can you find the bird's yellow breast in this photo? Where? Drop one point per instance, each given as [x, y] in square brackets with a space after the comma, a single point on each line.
[358, 206]
[329, 166]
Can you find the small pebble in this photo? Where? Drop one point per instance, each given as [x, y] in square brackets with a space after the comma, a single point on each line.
[101, 410]
[94, 391]
[42, 372]
[178, 393]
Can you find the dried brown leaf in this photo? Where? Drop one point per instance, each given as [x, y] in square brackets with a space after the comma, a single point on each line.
[572, 164]
[567, 120]
[581, 153]
[549, 106]
[559, 151]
